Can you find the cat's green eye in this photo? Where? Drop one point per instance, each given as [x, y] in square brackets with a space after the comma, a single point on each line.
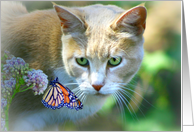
[114, 61]
[82, 61]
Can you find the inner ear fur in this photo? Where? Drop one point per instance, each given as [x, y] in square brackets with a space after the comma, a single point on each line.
[133, 19]
[69, 21]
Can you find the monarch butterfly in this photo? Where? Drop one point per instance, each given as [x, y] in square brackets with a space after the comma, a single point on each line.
[58, 96]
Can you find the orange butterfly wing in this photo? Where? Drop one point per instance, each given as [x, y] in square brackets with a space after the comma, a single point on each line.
[70, 99]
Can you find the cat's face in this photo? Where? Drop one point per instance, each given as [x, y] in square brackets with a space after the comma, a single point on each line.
[102, 67]
[102, 55]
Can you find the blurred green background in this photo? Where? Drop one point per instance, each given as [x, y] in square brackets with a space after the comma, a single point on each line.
[156, 102]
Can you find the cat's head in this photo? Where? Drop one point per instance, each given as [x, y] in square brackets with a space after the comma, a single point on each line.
[102, 46]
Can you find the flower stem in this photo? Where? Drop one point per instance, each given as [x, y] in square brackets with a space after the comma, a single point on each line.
[15, 91]
[25, 89]
[7, 117]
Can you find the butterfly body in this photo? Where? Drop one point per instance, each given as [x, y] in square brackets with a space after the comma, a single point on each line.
[58, 96]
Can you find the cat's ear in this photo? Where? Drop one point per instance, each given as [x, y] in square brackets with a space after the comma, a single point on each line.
[132, 20]
[69, 21]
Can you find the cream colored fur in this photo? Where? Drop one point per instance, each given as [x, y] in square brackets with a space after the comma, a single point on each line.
[95, 32]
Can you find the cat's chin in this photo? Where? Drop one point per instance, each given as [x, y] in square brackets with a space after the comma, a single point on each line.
[101, 95]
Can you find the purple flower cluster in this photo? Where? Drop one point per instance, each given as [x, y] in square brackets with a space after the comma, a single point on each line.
[3, 103]
[38, 79]
[10, 84]
[7, 87]
[15, 66]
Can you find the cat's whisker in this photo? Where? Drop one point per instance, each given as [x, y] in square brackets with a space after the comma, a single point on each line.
[78, 92]
[126, 93]
[80, 97]
[134, 86]
[81, 93]
[113, 97]
[126, 104]
[123, 101]
[71, 84]
[120, 105]
[139, 95]
[127, 88]
[60, 67]
[75, 89]
[129, 85]
[133, 95]
[122, 83]
[84, 98]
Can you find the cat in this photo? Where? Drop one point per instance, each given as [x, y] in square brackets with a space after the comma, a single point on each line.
[98, 48]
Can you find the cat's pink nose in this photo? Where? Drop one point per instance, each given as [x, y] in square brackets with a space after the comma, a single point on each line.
[97, 87]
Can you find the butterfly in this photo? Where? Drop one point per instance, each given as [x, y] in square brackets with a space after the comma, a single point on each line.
[58, 96]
